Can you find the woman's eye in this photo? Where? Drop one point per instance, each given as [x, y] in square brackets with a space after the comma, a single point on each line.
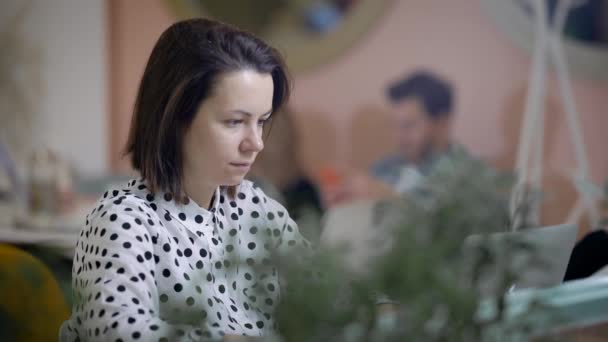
[262, 122]
[232, 123]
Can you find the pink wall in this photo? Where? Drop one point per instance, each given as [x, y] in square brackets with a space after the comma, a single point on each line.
[340, 109]
[457, 40]
[134, 28]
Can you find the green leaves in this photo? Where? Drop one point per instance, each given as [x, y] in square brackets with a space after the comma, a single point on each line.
[424, 266]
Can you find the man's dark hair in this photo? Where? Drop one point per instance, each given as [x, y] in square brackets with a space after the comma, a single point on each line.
[434, 93]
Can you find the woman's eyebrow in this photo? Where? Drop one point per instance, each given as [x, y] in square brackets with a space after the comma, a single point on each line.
[244, 112]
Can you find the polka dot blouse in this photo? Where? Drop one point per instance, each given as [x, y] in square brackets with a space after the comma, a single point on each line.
[147, 268]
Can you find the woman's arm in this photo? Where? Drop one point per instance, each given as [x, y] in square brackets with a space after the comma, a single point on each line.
[114, 285]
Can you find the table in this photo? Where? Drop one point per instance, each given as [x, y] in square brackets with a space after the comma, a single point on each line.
[62, 241]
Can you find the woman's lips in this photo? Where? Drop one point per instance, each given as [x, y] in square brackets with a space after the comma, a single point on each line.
[241, 166]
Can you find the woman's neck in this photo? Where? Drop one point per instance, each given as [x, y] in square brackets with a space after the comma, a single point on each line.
[200, 192]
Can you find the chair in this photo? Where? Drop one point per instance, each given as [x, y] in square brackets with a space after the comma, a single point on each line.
[32, 306]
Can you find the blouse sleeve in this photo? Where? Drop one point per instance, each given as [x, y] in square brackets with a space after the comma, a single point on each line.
[114, 286]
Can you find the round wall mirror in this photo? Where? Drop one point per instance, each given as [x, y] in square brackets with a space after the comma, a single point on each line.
[585, 34]
[308, 33]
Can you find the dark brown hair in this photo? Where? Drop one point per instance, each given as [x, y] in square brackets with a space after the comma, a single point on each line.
[435, 93]
[185, 63]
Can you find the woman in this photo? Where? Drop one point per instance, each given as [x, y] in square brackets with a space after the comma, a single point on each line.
[184, 252]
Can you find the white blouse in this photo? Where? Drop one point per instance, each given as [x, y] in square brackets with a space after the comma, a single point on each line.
[147, 268]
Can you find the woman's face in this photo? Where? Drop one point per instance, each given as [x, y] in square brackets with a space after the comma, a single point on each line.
[226, 134]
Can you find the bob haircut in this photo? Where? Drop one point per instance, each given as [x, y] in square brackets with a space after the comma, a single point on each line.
[181, 72]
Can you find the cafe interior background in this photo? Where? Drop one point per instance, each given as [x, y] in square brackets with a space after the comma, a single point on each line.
[70, 70]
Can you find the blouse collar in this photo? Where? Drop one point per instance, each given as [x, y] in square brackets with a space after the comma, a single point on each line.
[188, 212]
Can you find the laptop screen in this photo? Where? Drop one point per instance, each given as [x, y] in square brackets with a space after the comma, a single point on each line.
[537, 257]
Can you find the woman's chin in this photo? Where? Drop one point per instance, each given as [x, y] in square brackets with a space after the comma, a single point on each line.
[234, 180]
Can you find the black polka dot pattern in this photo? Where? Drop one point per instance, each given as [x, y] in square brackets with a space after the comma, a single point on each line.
[147, 268]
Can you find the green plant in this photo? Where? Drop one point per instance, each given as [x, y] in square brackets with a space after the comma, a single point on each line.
[423, 267]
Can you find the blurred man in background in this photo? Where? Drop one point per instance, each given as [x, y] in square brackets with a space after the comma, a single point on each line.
[422, 106]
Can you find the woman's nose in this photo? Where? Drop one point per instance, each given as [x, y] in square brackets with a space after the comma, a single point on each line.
[254, 142]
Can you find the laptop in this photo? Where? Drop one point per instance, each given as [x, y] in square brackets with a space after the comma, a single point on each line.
[356, 225]
[544, 267]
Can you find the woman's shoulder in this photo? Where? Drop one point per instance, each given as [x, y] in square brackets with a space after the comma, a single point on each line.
[253, 194]
[270, 214]
[250, 204]
[129, 199]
